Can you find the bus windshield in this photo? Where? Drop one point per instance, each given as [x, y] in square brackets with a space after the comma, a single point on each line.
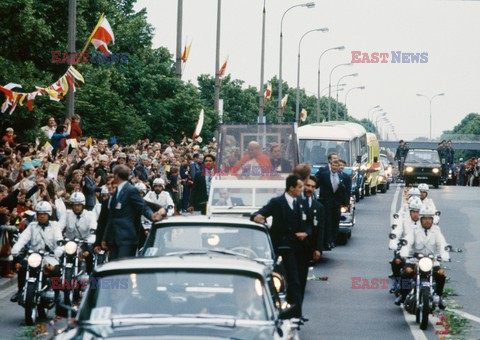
[315, 151]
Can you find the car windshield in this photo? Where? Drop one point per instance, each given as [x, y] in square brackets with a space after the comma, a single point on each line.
[223, 197]
[315, 151]
[251, 242]
[185, 293]
[422, 156]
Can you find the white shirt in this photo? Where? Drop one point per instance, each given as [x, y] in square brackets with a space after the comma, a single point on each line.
[290, 200]
[332, 176]
[120, 187]
[49, 131]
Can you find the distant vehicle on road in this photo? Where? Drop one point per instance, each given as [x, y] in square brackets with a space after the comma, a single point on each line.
[422, 166]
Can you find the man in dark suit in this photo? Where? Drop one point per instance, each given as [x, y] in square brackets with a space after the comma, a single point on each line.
[201, 185]
[226, 200]
[332, 156]
[288, 237]
[280, 164]
[332, 196]
[313, 220]
[123, 227]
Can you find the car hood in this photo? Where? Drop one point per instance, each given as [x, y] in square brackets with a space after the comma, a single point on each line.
[172, 332]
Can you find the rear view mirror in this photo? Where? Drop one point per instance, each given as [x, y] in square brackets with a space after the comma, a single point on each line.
[448, 247]
[395, 216]
[394, 226]
[403, 242]
[392, 236]
[438, 213]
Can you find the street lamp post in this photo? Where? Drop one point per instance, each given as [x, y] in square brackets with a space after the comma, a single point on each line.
[308, 5]
[261, 94]
[430, 101]
[380, 116]
[373, 108]
[297, 106]
[217, 59]
[346, 96]
[338, 82]
[339, 48]
[326, 87]
[330, 89]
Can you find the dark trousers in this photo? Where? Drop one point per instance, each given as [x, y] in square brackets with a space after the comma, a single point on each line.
[294, 271]
[397, 265]
[118, 252]
[332, 223]
[201, 207]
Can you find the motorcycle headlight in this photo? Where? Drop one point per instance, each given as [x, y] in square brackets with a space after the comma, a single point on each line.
[435, 170]
[380, 178]
[34, 260]
[277, 282]
[409, 169]
[344, 209]
[425, 264]
[70, 248]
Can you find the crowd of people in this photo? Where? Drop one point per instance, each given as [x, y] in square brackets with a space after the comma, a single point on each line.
[165, 175]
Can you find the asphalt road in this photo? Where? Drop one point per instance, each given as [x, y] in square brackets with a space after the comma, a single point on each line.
[337, 311]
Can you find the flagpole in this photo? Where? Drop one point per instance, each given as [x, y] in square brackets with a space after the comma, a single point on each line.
[94, 31]
[261, 94]
[178, 65]
[72, 29]
[217, 58]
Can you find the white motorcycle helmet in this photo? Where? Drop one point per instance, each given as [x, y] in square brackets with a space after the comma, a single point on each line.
[77, 198]
[413, 192]
[159, 181]
[141, 187]
[415, 203]
[423, 187]
[427, 211]
[43, 207]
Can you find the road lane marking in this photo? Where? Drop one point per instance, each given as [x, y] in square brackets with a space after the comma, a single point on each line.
[465, 315]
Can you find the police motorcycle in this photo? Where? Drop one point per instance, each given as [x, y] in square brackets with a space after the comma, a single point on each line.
[77, 251]
[423, 294]
[36, 268]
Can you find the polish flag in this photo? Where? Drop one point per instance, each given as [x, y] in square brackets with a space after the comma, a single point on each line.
[103, 36]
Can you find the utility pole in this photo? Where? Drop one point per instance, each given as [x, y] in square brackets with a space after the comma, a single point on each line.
[261, 92]
[178, 65]
[217, 57]
[72, 28]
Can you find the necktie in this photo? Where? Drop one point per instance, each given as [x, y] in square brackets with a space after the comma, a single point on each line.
[294, 206]
[426, 232]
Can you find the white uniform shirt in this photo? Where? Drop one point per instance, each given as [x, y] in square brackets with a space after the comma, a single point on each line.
[74, 226]
[432, 243]
[40, 239]
[163, 199]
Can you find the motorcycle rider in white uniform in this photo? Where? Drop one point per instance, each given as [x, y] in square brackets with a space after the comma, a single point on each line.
[400, 230]
[41, 234]
[159, 196]
[427, 240]
[423, 188]
[80, 223]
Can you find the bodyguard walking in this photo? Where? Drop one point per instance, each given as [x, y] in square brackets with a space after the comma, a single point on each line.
[287, 237]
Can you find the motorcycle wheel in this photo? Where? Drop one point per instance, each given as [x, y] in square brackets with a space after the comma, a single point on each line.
[30, 305]
[425, 301]
[68, 293]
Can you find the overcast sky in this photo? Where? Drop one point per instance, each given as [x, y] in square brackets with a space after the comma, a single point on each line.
[446, 29]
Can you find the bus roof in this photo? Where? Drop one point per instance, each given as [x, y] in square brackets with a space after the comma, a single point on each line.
[331, 131]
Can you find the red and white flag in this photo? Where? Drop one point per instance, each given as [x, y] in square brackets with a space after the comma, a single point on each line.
[198, 128]
[103, 36]
[268, 91]
[221, 72]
